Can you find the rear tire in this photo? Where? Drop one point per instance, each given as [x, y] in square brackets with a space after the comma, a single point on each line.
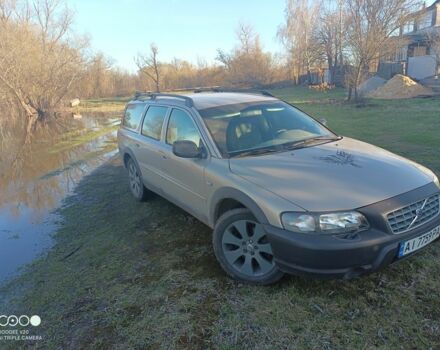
[242, 249]
[135, 182]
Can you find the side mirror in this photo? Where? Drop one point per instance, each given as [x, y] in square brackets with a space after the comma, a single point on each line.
[323, 121]
[186, 149]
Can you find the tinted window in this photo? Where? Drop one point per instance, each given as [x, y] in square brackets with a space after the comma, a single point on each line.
[153, 121]
[181, 127]
[133, 115]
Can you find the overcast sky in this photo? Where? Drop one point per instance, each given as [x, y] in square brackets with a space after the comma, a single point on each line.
[185, 29]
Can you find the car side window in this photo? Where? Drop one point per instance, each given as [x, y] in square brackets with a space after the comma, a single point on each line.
[152, 125]
[181, 127]
[133, 115]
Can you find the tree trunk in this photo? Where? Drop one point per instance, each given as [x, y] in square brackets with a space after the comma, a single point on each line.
[333, 70]
[355, 82]
[30, 127]
[27, 108]
[330, 67]
[16, 92]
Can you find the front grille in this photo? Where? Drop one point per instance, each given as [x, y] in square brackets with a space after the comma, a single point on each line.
[414, 215]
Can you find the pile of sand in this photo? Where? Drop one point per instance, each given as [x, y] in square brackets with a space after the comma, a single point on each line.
[370, 85]
[400, 86]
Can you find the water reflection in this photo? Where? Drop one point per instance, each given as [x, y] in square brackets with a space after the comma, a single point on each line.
[35, 176]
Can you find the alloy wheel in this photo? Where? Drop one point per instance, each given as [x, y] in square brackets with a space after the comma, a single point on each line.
[246, 248]
[134, 179]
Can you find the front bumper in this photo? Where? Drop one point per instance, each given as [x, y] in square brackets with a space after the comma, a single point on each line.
[329, 256]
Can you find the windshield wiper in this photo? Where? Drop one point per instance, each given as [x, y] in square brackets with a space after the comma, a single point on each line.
[303, 143]
[254, 152]
[326, 138]
[283, 147]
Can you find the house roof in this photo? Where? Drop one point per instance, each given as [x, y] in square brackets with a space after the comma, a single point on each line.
[435, 3]
[421, 34]
[427, 8]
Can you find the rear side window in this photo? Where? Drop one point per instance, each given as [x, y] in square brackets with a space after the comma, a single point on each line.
[181, 127]
[133, 115]
[153, 121]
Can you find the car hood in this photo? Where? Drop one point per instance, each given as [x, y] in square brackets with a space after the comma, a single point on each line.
[340, 175]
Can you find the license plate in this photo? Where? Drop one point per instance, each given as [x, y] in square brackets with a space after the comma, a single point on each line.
[407, 247]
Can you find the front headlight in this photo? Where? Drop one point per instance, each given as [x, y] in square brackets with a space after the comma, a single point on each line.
[298, 222]
[330, 223]
[436, 181]
[343, 222]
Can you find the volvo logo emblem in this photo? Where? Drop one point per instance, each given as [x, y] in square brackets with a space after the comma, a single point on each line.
[418, 212]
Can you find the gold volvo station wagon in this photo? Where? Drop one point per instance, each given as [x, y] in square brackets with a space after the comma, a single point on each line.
[282, 192]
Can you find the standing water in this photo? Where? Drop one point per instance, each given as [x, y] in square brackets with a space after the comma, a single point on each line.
[35, 176]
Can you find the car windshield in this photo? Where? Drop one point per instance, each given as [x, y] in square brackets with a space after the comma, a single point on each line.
[256, 127]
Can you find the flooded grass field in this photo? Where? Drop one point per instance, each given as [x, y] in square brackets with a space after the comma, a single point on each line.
[36, 177]
[128, 275]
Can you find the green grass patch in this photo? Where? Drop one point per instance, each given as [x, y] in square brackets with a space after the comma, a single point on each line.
[80, 138]
[111, 104]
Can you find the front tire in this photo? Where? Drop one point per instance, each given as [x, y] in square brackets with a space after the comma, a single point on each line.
[136, 184]
[242, 249]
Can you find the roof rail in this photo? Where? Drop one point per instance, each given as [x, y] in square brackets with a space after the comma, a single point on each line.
[220, 89]
[138, 94]
[266, 93]
[154, 95]
[211, 89]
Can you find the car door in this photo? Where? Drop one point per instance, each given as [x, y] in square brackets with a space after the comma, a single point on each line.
[149, 148]
[184, 177]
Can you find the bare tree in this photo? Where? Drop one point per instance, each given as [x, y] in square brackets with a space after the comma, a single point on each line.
[246, 35]
[150, 66]
[7, 9]
[225, 58]
[373, 33]
[298, 35]
[247, 64]
[331, 34]
[39, 59]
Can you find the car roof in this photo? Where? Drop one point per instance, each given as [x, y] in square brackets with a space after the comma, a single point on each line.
[205, 100]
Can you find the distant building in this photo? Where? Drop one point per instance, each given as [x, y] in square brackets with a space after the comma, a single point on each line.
[420, 57]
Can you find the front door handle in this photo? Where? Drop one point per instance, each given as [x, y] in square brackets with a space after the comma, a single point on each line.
[163, 155]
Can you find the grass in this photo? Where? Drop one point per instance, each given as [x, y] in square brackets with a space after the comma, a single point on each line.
[113, 104]
[128, 275]
[74, 140]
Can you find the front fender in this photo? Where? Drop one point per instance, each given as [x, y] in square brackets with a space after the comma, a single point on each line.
[232, 193]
